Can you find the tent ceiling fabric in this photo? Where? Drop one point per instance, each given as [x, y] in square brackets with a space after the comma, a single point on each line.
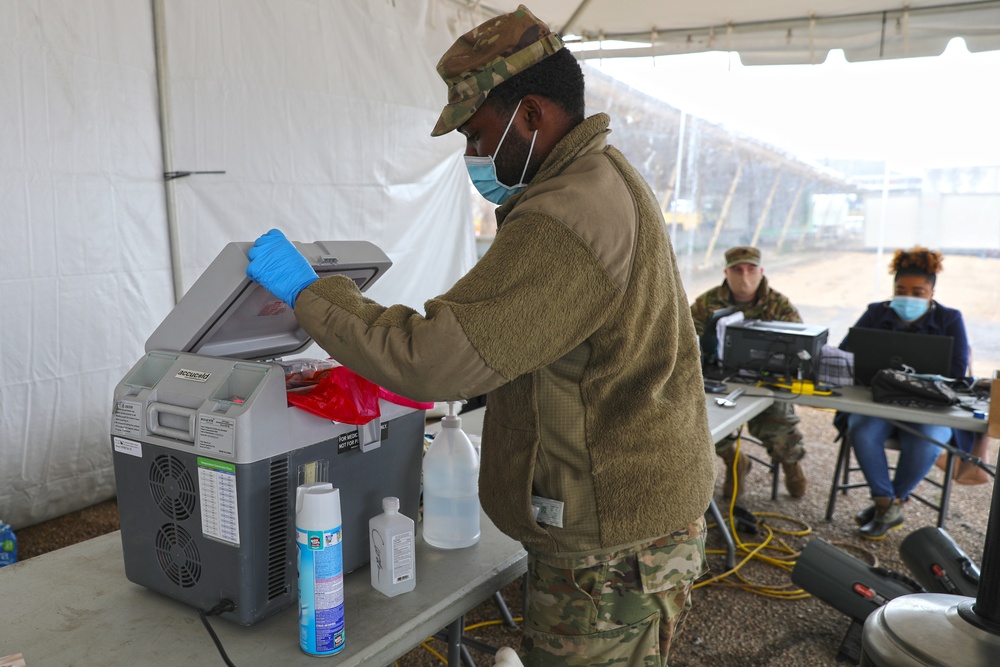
[764, 31]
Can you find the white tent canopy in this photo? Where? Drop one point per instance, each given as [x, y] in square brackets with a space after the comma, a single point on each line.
[317, 113]
[765, 31]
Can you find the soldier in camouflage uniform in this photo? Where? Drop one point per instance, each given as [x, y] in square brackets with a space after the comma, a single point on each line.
[746, 288]
[576, 604]
[586, 605]
[596, 453]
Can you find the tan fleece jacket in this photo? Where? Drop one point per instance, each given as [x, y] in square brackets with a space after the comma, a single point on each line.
[576, 323]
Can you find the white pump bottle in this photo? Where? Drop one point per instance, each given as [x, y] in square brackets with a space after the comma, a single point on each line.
[451, 487]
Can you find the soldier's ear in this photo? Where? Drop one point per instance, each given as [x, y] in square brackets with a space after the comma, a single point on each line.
[534, 109]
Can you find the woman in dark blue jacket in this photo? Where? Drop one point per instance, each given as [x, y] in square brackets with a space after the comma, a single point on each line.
[912, 309]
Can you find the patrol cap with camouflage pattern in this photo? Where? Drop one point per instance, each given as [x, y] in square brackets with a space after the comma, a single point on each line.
[485, 57]
[742, 255]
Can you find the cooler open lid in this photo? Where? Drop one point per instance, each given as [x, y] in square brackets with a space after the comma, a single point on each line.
[225, 314]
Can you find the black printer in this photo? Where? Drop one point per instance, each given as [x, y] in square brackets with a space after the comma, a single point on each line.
[777, 348]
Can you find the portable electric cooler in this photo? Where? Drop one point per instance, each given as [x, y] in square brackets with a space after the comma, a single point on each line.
[208, 453]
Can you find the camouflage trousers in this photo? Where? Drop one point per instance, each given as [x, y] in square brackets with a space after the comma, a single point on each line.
[775, 427]
[617, 608]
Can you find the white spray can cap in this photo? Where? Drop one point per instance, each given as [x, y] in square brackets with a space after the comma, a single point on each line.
[317, 506]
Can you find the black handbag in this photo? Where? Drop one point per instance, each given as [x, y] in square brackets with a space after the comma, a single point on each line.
[899, 388]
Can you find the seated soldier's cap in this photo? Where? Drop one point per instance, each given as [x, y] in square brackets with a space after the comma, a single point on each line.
[485, 57]
[742, 255]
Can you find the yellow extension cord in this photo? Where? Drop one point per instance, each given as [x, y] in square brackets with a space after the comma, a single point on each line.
[772, 550]
[785, 558]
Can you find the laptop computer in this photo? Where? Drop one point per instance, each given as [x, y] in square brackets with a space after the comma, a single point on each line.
[875, 349]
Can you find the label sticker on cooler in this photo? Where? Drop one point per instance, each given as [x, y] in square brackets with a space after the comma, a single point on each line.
[350, 441]
[216, 434]
[219, 506]
[127, 418]
[130, 447]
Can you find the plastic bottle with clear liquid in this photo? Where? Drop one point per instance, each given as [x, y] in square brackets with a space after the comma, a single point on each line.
[392, 550]
[451, 487]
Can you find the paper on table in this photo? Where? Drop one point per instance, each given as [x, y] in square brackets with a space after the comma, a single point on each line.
[720, 330]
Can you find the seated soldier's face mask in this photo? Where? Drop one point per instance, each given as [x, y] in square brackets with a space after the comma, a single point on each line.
[483, 170]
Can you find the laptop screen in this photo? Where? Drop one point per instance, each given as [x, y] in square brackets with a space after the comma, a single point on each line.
[875, 349]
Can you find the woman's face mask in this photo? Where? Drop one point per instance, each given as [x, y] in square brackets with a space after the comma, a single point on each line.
[909, 308]
[483, 170]
[913, 297]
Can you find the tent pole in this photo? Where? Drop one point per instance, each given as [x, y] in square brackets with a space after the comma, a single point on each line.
[723, 214]
[766, 211]
[572, 19]
[877, 278]
[166, 145]
[679, 171]
[790, 215]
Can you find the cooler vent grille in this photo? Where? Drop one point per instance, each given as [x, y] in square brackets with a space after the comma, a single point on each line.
[172, 487]
[278, 526]
[178, 555]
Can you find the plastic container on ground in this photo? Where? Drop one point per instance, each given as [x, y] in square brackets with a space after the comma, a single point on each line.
[451, 487]
[392, 542]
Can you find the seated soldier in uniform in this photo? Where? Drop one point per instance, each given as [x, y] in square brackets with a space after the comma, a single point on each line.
[745, 289]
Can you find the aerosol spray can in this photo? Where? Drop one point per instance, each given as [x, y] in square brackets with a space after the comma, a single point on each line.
[318, 535]
[8, 545]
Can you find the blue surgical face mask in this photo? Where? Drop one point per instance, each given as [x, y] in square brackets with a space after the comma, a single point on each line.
[483, 170]
[909, 308]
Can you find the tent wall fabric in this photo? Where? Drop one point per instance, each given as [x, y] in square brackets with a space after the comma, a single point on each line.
[84, 278]
[318, 111]
[320, 116]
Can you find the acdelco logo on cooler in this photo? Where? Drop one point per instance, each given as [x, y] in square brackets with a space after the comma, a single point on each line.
[194, 376]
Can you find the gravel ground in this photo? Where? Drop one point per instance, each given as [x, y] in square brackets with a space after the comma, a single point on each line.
[736, 628]
[727, 626]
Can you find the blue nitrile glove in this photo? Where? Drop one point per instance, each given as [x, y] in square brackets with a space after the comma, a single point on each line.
[278, 266]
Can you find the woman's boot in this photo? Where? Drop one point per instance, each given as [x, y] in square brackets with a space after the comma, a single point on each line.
[865, 515]
[888, 516]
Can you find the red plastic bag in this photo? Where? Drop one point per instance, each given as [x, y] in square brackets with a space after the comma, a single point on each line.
[403, 400]
[341, 395]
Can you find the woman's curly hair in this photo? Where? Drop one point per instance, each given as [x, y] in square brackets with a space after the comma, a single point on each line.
[918, 261]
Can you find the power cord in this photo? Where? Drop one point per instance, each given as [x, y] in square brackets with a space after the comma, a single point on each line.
[772, 550]
[221, 608]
